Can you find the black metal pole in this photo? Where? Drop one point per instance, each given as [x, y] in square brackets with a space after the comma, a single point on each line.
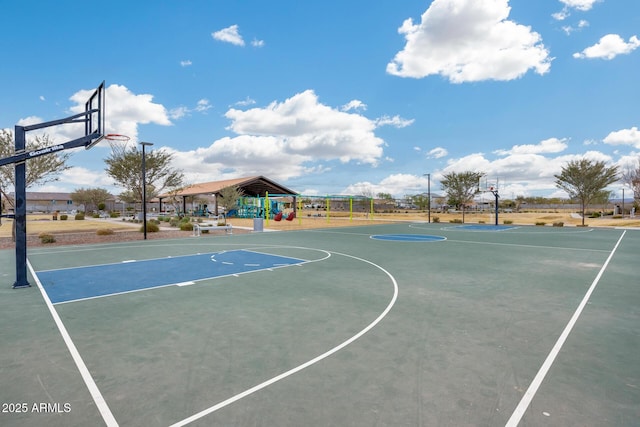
[144, 189]
[20, 219]
[495, 193]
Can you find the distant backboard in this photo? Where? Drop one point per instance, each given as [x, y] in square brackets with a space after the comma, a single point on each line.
[95, 116]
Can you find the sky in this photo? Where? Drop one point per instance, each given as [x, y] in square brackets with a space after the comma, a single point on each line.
[334, 97]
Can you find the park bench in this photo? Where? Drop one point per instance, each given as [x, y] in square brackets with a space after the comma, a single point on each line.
[198, 228]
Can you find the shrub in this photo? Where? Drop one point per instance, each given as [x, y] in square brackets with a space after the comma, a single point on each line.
[174, 222]
[104, 231]
[456, 221]
[79, 216]
[541, 223]
[151, 227]
[154, 221]
[95, 215]
[47, 238]
[186, 226]
[436, 219]
[64, 217]
[558, 224]
[507, 222]
[114, 214]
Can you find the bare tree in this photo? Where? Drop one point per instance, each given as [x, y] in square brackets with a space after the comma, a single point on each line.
[631, 177]
[40, 170]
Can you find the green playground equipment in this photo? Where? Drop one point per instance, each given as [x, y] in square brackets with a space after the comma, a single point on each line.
[256, 207]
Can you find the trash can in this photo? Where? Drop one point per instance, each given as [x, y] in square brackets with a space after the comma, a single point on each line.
[258, 224]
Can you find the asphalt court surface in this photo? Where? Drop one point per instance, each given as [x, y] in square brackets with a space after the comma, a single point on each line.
[436, 324]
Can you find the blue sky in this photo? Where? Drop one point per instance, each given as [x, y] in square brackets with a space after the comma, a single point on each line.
[335, 97]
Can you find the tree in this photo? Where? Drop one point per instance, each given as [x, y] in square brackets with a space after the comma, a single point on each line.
[124, 165]
[420, 200]
[91, 198]
[631, 177]
[40, 170]
[584, 180]
[460, 187]
[230, 196]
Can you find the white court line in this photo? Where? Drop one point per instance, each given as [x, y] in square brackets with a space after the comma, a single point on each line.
[306, 364]
[537, 380]
[101, 404]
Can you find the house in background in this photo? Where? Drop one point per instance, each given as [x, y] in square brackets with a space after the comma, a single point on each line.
[52, 202]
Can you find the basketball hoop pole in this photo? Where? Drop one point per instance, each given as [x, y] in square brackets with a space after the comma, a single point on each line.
[495, 194]
[92, 136]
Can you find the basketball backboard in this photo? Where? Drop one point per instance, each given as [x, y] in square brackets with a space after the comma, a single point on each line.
[95, 116]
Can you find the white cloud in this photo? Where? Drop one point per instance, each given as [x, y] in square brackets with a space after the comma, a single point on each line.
[125, 111]
[229, 35]
[624, 137]
[284, 140]
[355, 104]
[522, 171]
[395, 121]
[245, 102]
[609, 47]
[185, 63]
[551, 145]
[398, 185]
[179, 112]
[469, 40]
[568, 29]
[437, 153]
[582, 5]
[305, 127]
[257, 43]
[203, 105]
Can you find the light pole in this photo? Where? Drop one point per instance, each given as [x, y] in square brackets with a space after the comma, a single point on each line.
[428, 175]
[144, 189]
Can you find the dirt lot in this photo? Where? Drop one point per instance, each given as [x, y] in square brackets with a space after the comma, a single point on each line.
[85, 231]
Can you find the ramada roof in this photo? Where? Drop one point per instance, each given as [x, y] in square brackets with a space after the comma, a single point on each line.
[250, 186]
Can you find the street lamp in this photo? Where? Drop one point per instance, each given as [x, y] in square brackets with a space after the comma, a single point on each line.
[144, 189]
[428, 175]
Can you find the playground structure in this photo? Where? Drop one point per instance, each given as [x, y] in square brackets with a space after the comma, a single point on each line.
[278, 207]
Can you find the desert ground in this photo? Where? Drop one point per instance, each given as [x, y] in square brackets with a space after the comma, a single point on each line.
[73, 231]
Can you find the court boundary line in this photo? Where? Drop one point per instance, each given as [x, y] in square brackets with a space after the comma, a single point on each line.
[96, 395]
[307, 364]
[528, 396]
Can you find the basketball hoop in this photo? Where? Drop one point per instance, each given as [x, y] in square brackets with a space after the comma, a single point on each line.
[117, 142]
[116, 137]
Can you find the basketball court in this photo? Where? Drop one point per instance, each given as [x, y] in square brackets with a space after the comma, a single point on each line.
[398, 324]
